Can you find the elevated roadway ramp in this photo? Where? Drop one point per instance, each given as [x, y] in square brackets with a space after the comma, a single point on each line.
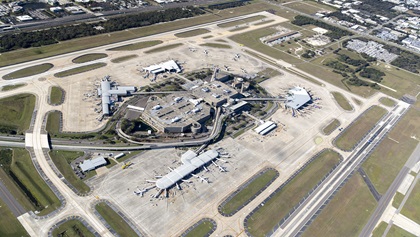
[29, 142]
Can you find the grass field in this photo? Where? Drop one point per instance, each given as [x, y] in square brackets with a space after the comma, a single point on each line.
[81, 69]
[56, 95]
[396, 231]
[333, 125]
[73, 228]
[252, 40]
[387, 101]
[380, 229]
[240, 22]
[216, 45]
[9, 225]
[281, 203]
[248, 192]
[12, 87]
[62, 160]
[115, 221]
[201, 230]
[16, 113]
[124, 58]
[347, 212]
[89, 57]
[411, 208]
[398, 198]
[192, 33]
[266, 74]
[136, 46]
[163, 48]
[263, 22]
[20, 169]
[239, 28]
[305, 8]
[389, 157]
[342, 101]
[29, 54]
[29, 71]
[352, 135]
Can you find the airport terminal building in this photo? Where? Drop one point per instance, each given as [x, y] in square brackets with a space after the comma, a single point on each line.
[176, 113]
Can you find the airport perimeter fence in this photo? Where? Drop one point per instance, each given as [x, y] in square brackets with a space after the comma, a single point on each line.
[50, 185]
[348, 126]
[347, 178]
[120, 213]
[244, 185]
[282, 186]
[79, 218]
[199, 223]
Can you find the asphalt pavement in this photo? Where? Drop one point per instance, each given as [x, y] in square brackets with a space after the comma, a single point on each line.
[10, 201]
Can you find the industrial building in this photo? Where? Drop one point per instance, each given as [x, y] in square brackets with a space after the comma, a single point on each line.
[215, 93]
[110, 93]
[168, 66]
[297, 97]
[265, 128]
[176, 113]
[92, 164]
[190, 162]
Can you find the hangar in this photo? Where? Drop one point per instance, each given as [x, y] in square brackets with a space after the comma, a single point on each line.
[168, 66]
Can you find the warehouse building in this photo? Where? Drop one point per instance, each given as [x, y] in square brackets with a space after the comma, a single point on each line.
[92, 164]
[176, 113]
[110, 93]
[265, 128]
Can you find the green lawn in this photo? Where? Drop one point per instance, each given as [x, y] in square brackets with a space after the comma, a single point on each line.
[263, 22]
[9, 224]
[192, 33]
[29, 71]
[398, 198]
[380, 229]
[62, 160]
[263, 220]
[248, 192]
[342, 101]
[136, 46]
[240, 22]
[347, 213]
[252, 40]
[56, 95]
[396, 231]
[114, 220]
[16, 113]
[124, 58]
[266, 74]
[72, 228]
[89, 57]
[20, 169]
[411, 208]
[12, 87]
[389, 157]
[201, 230]
[163, 48]
[78, 70]
[216, 45]
[333, 125]
[239, 28]
[352, 135]
[387, 101]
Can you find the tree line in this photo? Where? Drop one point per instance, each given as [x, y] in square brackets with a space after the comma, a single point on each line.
[54, 35]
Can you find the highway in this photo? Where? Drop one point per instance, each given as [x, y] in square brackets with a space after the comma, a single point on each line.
[10, 201]
[386, 199]
[308, 210]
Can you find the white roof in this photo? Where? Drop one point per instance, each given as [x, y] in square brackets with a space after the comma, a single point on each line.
[297, 97]
[170, 65]
[263, 126]
[191, 162]
[92, 164]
